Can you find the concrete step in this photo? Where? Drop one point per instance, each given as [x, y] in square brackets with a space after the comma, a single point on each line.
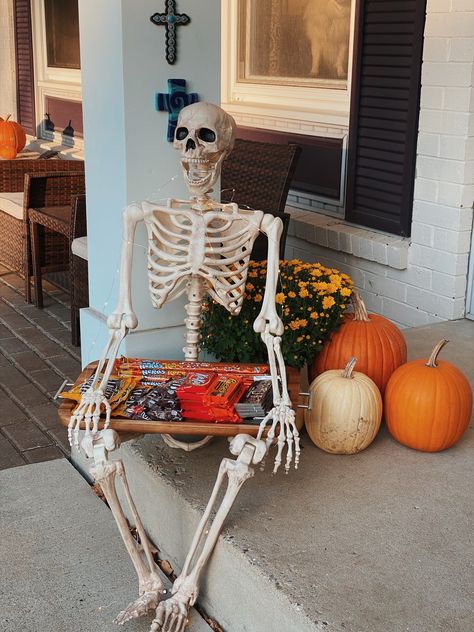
[375, 542]
[63, 567]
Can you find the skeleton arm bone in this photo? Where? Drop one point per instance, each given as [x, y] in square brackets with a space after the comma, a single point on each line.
[119, 323]
[269, 325]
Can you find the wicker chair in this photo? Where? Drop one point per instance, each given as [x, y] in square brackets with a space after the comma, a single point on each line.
[258, 176]
[78, 265]
[20, 189]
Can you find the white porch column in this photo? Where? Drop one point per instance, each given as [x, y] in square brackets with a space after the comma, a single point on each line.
[127, 155]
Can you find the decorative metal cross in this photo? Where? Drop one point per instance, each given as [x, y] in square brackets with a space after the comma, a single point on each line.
[170, 20]
[174, 102]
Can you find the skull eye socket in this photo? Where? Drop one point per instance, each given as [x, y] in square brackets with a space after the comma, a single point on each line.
[207, 135]
[181, 133]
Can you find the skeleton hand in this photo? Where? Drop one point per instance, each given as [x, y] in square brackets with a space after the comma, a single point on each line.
[88, 411]
[283, 415]
[171, 615]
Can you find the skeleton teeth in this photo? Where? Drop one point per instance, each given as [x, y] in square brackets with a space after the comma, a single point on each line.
[198, 181]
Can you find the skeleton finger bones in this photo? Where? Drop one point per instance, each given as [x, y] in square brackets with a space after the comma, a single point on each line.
[92, 403]
[171, 616]
[282, 418]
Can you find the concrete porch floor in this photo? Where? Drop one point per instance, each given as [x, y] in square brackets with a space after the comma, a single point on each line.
[375, 542]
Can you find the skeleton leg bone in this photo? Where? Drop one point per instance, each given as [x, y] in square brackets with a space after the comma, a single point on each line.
[150, 586]
[172, 614]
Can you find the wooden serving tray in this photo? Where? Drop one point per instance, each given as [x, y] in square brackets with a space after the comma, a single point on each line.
[188, 427]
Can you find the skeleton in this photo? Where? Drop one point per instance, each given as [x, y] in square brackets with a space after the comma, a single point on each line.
[195, 246]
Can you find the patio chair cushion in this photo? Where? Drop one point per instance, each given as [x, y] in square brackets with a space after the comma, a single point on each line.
[79, 247]
[12, 204]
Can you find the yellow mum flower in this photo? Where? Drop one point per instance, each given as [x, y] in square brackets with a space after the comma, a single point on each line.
[291, 294]
[313, 315]
[303, 292]
[280, 298]
[320, 286]
[258, 298]
[331, 288]
[345, 291]
[328, 301]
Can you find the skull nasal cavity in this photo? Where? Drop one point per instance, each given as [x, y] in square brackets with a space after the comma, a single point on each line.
[190, 144]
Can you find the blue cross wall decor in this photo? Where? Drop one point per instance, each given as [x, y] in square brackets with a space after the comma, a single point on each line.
[170, 20]
[174, 102]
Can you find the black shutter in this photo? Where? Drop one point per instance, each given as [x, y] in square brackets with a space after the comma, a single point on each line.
[25, 81]
[385, 105]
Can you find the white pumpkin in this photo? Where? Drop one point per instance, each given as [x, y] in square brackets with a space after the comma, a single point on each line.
[345, 410]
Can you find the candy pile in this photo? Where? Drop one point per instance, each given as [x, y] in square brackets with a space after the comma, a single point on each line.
[166, 390]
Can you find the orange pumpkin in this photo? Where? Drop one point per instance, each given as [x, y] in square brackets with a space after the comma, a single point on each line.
[12, 138]
[378, 345]
[428, 404]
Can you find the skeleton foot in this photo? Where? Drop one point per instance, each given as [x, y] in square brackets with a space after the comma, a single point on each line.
[148, 601]
[171, 615]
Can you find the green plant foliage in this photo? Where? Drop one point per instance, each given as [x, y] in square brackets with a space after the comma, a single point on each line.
[311, 301]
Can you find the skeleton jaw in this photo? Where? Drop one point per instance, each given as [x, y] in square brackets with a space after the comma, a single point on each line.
[201, 173]
[197, 172]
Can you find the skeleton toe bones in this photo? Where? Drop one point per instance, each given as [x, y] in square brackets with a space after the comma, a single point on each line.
[195, 246]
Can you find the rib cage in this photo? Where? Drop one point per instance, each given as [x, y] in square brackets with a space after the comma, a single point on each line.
[215, 245]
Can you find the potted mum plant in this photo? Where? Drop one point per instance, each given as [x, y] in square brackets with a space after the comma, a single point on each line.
[311, 300]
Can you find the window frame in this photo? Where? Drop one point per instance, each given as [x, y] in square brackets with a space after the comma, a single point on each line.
[60, 83]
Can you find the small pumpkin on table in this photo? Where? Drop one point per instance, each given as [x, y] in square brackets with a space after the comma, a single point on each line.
[12, 138]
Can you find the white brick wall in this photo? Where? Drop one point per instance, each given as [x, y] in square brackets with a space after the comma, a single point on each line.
[7, 61]
[425, 281]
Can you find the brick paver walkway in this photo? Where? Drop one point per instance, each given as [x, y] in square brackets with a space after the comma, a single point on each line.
[36, 356]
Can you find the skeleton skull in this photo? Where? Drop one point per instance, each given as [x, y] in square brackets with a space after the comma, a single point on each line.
[205, 137]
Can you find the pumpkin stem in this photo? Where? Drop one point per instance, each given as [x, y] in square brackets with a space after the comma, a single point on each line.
[347, 372]
[360, 310]
[7, 118]
[434, 354]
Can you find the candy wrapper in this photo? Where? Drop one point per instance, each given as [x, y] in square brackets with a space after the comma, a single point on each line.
[257, 400]
[117, 390]
[158, 370]
[211, 397]
[152, 402]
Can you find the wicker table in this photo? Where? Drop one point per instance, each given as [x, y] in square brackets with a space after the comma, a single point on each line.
[56, 219]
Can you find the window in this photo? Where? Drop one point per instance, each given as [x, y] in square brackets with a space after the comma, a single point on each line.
[293, 43]
[286, 71]
[48, 69]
